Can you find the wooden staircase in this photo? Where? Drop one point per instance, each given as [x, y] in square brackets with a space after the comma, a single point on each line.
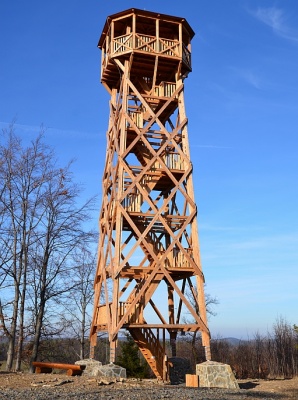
[152, 351]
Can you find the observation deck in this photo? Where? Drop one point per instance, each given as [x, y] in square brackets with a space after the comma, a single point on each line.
[151, 39]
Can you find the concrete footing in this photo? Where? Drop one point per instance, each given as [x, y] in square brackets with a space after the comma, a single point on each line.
[216, 375]
[95, 368]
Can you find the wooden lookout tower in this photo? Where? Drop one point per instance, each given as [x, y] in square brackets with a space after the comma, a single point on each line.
[149, 279]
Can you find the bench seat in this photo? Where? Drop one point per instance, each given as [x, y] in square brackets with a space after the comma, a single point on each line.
[47, 367]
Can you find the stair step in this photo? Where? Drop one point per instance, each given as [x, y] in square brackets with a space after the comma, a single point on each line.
[150, 347]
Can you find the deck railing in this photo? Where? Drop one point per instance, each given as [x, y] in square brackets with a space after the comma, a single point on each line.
[137, 118]
[133, 202]
[165, 89]
[177, 259]
[137, 314]
[171, 160]
[122, 43]
[148, 44]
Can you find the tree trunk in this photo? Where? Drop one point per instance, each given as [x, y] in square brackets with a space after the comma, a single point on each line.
[37, 335]
[21, 325]
[13, 330]
[10, 353]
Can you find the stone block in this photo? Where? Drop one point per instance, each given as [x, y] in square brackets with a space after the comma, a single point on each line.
[90, 365]
[216, 375]
[96, 369]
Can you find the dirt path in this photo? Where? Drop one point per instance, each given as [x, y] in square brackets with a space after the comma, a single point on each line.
[13, 385]
[285, 387]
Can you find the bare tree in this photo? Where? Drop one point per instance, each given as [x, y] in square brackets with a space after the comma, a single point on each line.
[22, 170]
[61, 233]
[80, 297]
[41, 225]
[284, 345]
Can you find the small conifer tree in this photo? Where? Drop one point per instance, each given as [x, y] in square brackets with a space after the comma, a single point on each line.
[129, 358]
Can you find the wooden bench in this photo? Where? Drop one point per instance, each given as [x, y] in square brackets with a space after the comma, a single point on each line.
[47, 367]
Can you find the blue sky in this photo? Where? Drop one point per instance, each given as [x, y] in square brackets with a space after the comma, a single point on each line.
[242, 105]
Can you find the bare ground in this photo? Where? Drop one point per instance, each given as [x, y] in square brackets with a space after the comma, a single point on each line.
[24, 386]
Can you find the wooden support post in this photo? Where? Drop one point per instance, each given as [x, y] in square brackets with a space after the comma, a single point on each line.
[113, 344]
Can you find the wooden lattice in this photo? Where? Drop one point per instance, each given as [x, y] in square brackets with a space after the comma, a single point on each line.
[149, 278]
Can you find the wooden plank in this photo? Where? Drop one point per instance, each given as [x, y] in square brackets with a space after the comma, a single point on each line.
[174, 327]
[57, 365]
[191, 380]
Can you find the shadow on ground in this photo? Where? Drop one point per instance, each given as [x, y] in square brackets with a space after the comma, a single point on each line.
[248, 385]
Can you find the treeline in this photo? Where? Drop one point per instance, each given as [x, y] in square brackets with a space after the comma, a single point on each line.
[46, 261]
[59, 349]
[271, 356]
[274, 356]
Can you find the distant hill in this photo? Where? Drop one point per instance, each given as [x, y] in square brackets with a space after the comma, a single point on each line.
[233, 341]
